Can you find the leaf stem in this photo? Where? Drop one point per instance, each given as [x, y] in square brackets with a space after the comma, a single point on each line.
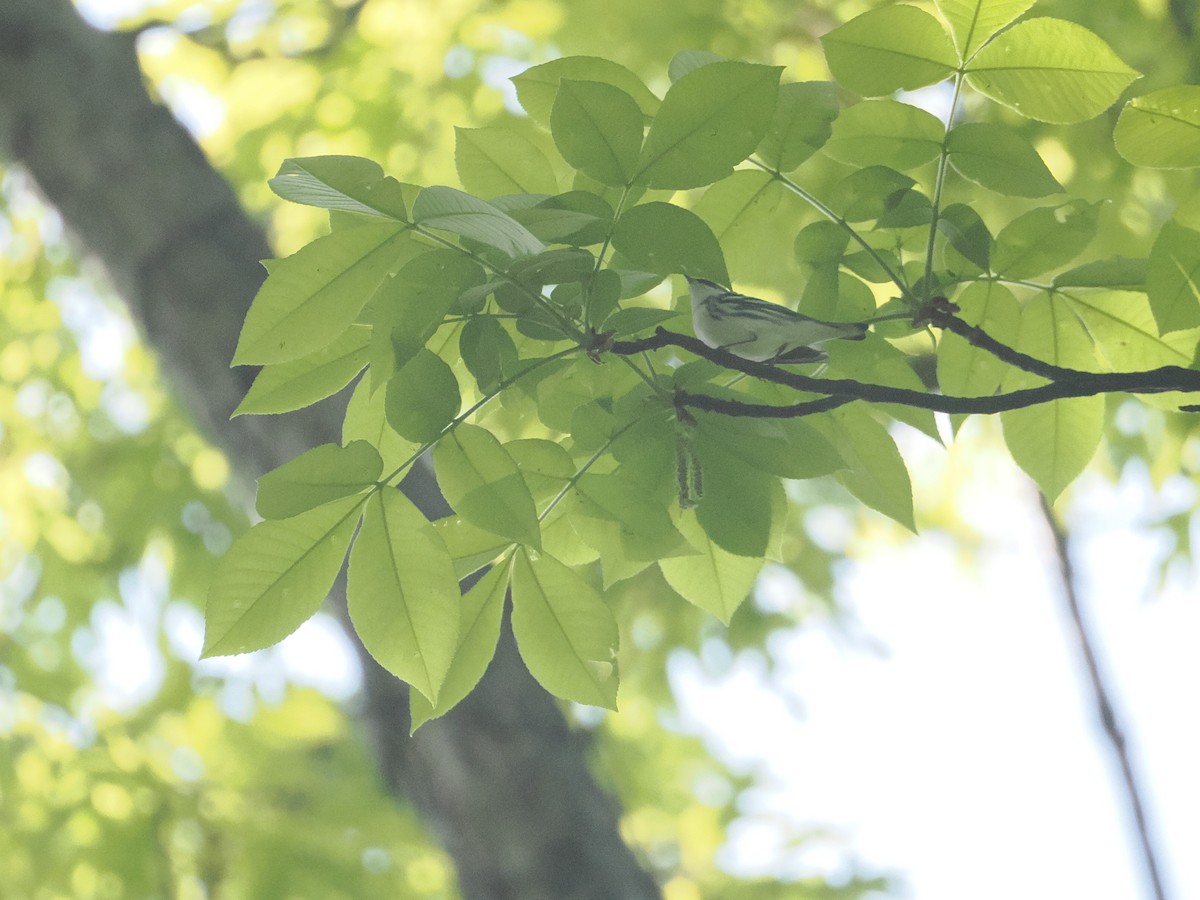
[939, 182]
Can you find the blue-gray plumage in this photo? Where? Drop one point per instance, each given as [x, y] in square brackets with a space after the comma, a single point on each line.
[761, 331]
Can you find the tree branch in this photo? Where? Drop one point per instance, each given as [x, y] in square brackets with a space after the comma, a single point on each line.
[1068, 385]
[1106, 713]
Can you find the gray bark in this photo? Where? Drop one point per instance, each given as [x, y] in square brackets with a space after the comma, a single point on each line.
[501, 781]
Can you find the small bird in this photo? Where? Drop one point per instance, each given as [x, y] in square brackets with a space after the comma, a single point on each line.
[757, 330]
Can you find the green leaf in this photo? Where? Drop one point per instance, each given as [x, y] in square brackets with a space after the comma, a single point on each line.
[1161, 129]
[689, 60]
[972, 22]
[1121, 273]
[1173, 278]
[402, 593]
[876, 361]
[312, 296]
[875, 472]
[869, 193]
[347, 183]
[566, 634]
[1053, 442]
[967, 235]
[821, 243]
[1122, 325]
[320, 475]
[537, 87]
[886, 133]
[889, 49]
[482, 611]
[710, 120]
[1051, 70]
[487, 350]
[1044, 239]
[545, 465]
[579, 218]
[598, 130]
[645, 528]
[446, 209]
[667, 239]
[422, 397]
[735, 506]
[801, 124]
[275, 577]
[284, 387]
[482, 484]
[470, 548]
[498, 160]
[999, 159]
[746, 213]
[968, 371]
[366, 421]
[715, 580]
[790, 448]
[410, 306]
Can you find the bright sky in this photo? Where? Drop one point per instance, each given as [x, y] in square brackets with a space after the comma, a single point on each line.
[965, 757]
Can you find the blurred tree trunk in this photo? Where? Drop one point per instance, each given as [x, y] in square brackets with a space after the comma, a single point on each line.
[502, 781]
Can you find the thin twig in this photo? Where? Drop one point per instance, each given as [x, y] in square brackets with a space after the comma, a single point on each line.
[1113, 731]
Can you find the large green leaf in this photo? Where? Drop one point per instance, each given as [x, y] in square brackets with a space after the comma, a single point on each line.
[972, 22]
[714, 580]
[711, 119]
[746, 213]
[275, 577]
[537, 87]
[735, 504]
[487, 350]
[1161, 129]
[402, 593]
[885, 133]
[483, 485]
[497, 160]
[667, 239]
[968, 371]
[312, 296]
[877, 361]
[1044, 239]
[969, 243]
[479, 630]
[566, 633]
[598, 130]
[1051, 70]
[889, 49]
[410, 306]
[450, 210]
[422, 397]
[284, 387]
[641, 520]
[869, 193]
[875, 472]
[1053, 442]
[366, 420]
[1122, 325]
[346, 183]
[790, 448]
[1119, 273]
[999, 159]
[1173, 278]
[800, 125]
[320, 475]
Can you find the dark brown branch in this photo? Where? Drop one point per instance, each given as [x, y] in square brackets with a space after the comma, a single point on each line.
[1111, 726]
[1077, 384]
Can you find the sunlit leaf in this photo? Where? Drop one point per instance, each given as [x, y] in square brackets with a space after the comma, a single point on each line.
[885, 133]
[715, 580]
[347, 183]
[801, 123]
[482, 484]
[1161, 129]
[446, 209]
[668, 239]
[284, 387]
[1000, 159]
[366, 420]
[965, 370]
[312, 296]
[1120, 273]
[1051, 70]
[275, 577]
[875, 472]
[538, 86]
[1044, 239]
[320, 475]
[422, 397]
[479, 630]
[402, 593]
[566, 634]
[889, 49]
[1173, 278]
[598, 130]
[497, 160]
[711, 119]
[972, 22]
